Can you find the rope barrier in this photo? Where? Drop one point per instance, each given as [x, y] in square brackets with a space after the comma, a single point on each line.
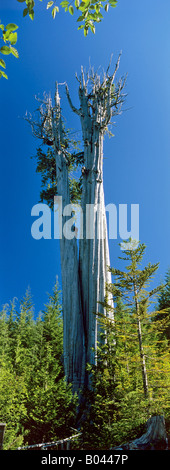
[45, 445]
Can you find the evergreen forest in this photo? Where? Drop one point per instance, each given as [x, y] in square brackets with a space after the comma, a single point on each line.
[130, 382]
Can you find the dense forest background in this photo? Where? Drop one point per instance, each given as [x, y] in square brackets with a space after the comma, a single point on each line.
[38, 405]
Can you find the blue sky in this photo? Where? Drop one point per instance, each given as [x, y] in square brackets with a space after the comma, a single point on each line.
[136, 165]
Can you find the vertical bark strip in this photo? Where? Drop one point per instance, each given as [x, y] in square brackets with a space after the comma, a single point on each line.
[142, 355]
[73, 341]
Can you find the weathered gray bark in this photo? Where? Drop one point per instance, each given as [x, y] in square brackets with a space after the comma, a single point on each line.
[155, 437]
[73, 341]
[93, 249]
[84, 279]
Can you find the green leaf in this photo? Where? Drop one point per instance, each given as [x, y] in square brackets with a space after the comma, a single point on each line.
[6, 50]
[71, 10]
[106, 7]
[2, 63]
[13, 38]
[21, 1]
[54, 11]
[85, 32]
[49, 5]
[81, 26]
[80, 18]
[6, 35]
[11, 27]
[31, 14]
[25, 12]
[2, 27]
[100, 15]
[93, 28]
[77, 3]
[3, 74]
[113, 3]
[97, 8]
[30, 4]
[14, 52]
[64, 4]
[84, 6]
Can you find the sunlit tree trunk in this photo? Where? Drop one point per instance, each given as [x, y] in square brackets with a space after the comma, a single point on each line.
[94, 252]
[73, 341]
[141, 350]
[85, 274]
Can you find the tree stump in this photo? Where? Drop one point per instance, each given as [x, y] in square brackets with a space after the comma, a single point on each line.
[155, 437]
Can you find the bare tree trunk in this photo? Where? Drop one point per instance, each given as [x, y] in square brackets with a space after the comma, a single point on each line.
[84, 280]
[93, 248]
[142, 355]
[73, 341]
[94, 252]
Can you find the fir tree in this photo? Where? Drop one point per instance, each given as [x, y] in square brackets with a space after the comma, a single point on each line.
[131, 286]
[50, 404]
[132, 378]
[164, 305]
[35, 401]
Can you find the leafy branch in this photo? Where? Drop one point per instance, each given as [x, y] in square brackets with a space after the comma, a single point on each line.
[90, 10]
[29, 10]
[9, 37]
[89, 14]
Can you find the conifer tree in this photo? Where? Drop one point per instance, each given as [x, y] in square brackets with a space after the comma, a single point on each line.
[24, 326]
[164, 304]
[35, 401]
[3, 335]
[131, 286]
[12, 386]
[50, 403]
[132, 379]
